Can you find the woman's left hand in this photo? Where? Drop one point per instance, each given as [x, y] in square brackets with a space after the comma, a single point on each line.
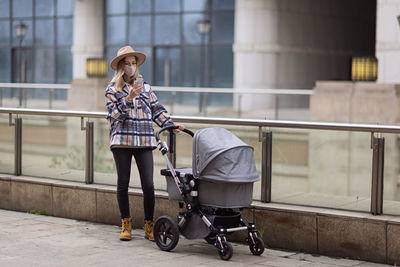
[181, 127]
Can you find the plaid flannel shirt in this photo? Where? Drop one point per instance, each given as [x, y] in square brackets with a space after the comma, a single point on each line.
[131, 122]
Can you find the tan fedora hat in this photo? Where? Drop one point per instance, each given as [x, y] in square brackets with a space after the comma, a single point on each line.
[127, 51]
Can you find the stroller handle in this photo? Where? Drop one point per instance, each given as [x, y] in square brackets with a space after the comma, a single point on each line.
[172, 127]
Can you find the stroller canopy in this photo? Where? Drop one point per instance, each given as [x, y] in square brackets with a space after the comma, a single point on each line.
[218, 155]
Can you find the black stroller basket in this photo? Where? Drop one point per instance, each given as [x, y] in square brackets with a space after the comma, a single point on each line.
[220, 180]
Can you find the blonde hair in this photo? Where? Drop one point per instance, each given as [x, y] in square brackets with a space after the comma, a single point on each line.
[118, 77]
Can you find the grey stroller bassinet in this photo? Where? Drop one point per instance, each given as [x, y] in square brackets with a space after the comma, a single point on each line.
[224, 166]
[221, 179]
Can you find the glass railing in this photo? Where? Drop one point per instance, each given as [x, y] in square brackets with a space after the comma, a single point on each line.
[6, 145]
[286, 104]
[328, 165]
[322, 168]
[34, 95]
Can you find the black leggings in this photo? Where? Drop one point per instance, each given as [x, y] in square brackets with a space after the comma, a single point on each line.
[144, 162]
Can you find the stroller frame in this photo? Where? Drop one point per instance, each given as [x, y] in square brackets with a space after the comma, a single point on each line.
[166, 231]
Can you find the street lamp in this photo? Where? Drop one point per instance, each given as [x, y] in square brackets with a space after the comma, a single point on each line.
[398, 19]
[203, 28]
[20, 30]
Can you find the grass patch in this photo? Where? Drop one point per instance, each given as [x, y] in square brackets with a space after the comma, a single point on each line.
[261, 233]
[39, 212]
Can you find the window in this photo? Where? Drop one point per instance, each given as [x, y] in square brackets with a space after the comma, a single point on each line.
[46, 47]
[166, 30]
[4, 8]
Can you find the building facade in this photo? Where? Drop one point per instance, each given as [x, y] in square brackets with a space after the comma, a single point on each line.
[62, 34]
[250, 43]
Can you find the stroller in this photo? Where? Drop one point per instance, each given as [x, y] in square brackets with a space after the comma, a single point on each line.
[221, 180]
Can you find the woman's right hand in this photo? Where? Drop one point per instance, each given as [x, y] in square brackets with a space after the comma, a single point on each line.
[133, 92]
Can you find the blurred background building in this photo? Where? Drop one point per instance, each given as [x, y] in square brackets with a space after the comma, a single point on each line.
[345, 55]
[201, 43]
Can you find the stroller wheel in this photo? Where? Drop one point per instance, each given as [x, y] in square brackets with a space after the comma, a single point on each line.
[210, 239]
[225, 253]
[258, 247]
[166, 233]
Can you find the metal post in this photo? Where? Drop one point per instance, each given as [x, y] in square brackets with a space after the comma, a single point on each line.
[240, 105]
[89, 153]
[378, 153]
[172, 148]
[205, 103]
[171, 102]
[266, 165]
[202, 50]
[276, 107]
[1, 97]
[167, 69]
[18, 147]
[24, 92]
[51, 96]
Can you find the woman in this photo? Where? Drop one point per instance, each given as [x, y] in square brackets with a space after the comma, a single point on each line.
[132, 107]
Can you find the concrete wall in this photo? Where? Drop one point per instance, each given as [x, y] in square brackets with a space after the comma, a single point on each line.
[312, 230]
[97, 203]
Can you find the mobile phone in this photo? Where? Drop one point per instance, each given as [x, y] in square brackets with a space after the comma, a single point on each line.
[138, 82]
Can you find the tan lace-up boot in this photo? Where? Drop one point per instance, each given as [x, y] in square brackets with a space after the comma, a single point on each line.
[148, 230]
[126, 233]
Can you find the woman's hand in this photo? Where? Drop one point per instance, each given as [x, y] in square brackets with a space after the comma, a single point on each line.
[133, 92]
[181, 127]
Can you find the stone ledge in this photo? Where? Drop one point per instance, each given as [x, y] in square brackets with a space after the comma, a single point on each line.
[327, 212]
[71, 184]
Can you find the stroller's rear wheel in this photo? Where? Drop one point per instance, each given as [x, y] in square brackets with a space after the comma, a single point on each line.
[166, 233]
[211, 238]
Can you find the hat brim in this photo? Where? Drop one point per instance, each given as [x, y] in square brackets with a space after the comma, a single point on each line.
[140, 59]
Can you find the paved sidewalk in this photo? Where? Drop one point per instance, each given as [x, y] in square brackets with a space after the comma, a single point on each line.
[34, 240]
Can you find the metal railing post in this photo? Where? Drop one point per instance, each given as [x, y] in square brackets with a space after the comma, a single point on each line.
[240, 105]
[266, 165]
[89, 170]
[24, 97]
[1, 97]
[378, 153]
[51, 96]
[18, 147]
[172, 148]
[172, 102]
[205, 103]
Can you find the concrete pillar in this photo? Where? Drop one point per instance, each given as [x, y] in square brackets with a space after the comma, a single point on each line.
[254, 48]
[88, 34]
[388, 41]
[86, 94]
[292, 43]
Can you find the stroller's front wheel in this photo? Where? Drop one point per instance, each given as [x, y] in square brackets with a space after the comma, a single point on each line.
[225, 252]
[256, 245]
[166, 233]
